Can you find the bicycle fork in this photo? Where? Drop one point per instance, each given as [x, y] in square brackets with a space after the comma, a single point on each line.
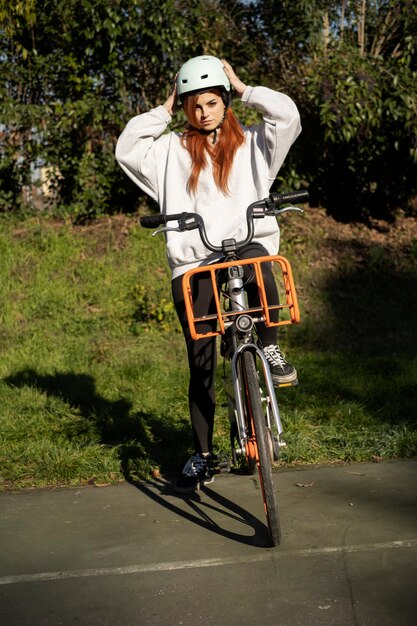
[268, 396]
[243, 324]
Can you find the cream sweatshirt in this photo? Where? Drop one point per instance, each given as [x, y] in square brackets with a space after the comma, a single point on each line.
[158, 163]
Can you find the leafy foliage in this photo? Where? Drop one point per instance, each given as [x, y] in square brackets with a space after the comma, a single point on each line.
[73, 73]
[363, 130]
[353, 74]
[94, 374]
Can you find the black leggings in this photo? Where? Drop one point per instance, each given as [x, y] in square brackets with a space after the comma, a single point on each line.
[202, 353]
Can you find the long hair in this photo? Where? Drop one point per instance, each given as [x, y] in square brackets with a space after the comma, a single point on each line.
[221, 153]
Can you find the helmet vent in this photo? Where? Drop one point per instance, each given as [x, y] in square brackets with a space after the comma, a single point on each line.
[204, 76]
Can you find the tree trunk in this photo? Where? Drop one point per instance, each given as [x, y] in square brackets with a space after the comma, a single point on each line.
[326, 31]
[361, 27]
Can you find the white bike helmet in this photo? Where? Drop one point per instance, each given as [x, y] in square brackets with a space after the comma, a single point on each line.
[202, 73]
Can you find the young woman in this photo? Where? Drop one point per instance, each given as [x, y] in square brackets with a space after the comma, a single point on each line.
[215, 168]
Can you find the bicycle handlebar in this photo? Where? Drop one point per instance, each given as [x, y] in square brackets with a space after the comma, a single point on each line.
[259, 209]
[292, 196]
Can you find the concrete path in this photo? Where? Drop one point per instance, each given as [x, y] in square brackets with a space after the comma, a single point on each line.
[138, 555]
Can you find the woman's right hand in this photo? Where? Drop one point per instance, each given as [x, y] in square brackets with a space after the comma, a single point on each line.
[171, 103]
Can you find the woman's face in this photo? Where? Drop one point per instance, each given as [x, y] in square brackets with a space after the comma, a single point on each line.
[209, 110]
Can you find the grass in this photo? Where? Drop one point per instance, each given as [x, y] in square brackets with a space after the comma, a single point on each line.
[93, 376]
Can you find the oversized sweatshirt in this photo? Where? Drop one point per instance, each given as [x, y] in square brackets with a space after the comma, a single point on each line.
[160, 165]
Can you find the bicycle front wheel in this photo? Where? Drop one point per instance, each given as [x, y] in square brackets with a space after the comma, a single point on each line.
[258, 426]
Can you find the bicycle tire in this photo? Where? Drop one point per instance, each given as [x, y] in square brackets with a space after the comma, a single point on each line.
[260, 431]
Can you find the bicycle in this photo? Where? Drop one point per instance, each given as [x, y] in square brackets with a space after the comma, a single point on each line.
[256, 426]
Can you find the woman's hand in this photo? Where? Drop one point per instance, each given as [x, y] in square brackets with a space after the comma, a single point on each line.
[236, 83]
[171, 103]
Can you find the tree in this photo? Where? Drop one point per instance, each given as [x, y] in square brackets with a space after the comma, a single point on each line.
[73, 74]
[351, 67]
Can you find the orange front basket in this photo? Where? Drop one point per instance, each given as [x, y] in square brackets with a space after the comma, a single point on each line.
[218, 321]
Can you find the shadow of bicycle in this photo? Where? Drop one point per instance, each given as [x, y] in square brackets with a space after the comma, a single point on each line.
[210, 510]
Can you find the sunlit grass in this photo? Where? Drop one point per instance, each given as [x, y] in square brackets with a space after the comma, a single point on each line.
[93, 374]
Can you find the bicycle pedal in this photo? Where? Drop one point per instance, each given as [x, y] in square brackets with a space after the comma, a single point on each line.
[223, 466]
[293, 383]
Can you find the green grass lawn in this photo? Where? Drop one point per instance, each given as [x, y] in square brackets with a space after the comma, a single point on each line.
[93, 377]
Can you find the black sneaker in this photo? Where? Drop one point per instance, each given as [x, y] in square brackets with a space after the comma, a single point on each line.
[282, 372]
[197, 471]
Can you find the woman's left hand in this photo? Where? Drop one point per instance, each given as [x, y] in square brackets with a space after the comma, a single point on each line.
[236, 83]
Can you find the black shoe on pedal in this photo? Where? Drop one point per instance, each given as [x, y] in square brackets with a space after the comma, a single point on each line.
[282, 372]
[197, 471]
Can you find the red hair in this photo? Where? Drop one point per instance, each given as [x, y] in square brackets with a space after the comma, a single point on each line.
[222, 153]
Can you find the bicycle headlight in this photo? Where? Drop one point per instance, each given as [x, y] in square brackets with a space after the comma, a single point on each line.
[244, 323]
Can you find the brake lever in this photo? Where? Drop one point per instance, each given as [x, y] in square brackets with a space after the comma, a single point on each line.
[291, 208]
[165, 229]
[285, 209]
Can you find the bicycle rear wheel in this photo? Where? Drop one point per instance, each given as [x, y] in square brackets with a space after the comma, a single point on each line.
[259, 429]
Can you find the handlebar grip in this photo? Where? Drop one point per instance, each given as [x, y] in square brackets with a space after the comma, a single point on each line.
[292, 197]
[152, 221]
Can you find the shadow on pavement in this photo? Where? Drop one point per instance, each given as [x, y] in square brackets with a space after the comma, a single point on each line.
[213, 513]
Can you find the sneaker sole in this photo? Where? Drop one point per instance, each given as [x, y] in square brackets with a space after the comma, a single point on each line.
[283, 380]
